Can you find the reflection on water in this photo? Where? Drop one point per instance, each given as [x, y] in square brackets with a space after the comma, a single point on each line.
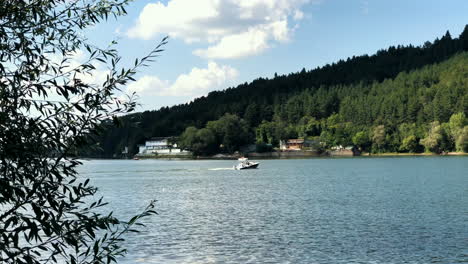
[384, 210]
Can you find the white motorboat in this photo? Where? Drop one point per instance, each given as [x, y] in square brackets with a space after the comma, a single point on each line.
[246, 164]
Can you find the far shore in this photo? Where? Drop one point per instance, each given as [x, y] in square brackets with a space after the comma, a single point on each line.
[414, 154]
[298, 155]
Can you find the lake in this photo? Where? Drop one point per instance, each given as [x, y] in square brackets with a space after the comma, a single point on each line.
[342, 210]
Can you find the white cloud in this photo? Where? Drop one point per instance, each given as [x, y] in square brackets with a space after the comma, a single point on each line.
[97, 77]
[176, 18]
[251, 42]
[298, 15]
[234, 28]
[147, 85]
[247, 43]
[194, 84]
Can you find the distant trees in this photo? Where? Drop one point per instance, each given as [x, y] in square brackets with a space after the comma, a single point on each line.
[408, 135]
[462, 140]
[409, 144]
[199, 141]
[274, 131]
[403, 88]
[397, 114]
[227, 134]
[231, 132]
[253, 115]
[266, 133]
[432, 142]
[458, 127]
[378, 137]
[361, 140]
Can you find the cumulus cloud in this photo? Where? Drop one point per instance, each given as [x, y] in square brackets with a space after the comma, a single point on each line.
[233, 28]
[196, 83]
[247, 43]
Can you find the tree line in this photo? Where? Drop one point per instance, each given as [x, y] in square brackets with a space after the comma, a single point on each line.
[399, 85]
[424, 110]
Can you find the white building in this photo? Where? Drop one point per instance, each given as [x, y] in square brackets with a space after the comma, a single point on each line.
[160, 146]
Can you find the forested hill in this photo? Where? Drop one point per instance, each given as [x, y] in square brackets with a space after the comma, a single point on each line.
[332, 90]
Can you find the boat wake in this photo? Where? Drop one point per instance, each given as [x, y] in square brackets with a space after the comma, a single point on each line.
[221, 169]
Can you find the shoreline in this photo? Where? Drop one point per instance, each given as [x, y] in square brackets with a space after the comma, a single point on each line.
[288, 155]
[389, 154]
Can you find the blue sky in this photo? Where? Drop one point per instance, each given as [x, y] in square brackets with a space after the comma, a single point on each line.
[216, 44]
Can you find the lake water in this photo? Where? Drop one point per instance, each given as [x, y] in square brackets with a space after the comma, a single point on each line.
[349, 210]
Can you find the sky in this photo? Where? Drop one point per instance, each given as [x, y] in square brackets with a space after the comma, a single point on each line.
[217, 44]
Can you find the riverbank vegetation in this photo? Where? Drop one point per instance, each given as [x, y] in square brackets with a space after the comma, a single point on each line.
[403, 99]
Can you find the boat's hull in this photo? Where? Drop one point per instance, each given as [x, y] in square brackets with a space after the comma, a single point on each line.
[250, 166]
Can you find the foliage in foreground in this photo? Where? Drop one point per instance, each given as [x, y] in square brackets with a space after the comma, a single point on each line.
[48, 111]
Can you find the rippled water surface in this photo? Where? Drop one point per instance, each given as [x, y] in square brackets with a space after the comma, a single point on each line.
[357, 210]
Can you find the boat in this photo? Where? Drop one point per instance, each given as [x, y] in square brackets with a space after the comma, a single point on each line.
[246, 164]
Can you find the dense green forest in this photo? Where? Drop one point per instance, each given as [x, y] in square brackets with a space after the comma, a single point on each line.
[402, 99]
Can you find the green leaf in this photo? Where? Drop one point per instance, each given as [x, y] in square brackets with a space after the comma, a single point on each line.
[81, 109]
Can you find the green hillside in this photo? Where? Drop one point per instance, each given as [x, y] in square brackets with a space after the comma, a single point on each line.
[398, 109]
[403, 99]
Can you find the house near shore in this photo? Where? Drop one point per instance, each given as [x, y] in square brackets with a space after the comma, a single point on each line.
[344, 151]
[297, 144]
[161, 146]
